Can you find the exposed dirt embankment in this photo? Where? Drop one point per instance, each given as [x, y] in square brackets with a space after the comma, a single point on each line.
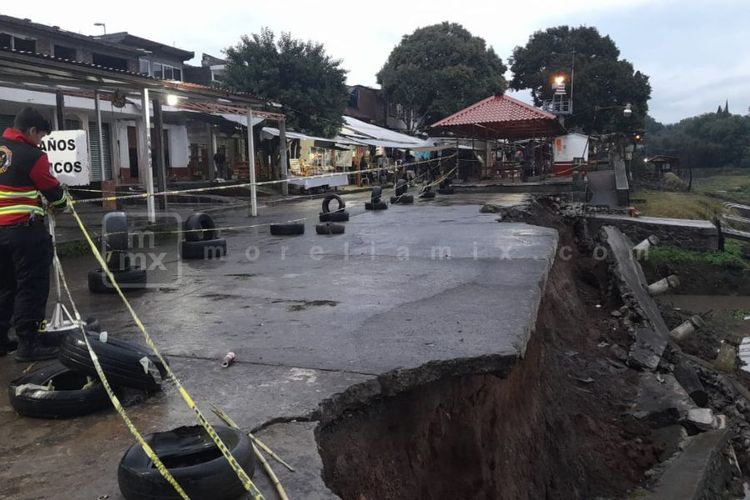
[553, 427]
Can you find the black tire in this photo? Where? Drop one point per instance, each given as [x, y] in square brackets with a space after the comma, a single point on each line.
[120, 360]
[68, 399]
[202, 228]
[327, 203]
[401, 187]
[288, 229]
[334, 216]
[115, 231]
[329, 228]
[193, 460]
[133, 279]
[427, 195]
[375, 205]
[209, 249]
[405, 199]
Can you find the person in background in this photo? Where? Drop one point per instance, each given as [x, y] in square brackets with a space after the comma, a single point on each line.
[25, 244]
[220, 160]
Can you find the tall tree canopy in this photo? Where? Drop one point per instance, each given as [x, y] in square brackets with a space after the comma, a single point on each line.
[438, 70]
[300, 75]
[705, 141]
[601, 79]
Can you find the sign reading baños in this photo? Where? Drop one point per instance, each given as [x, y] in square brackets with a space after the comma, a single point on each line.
[68, 156]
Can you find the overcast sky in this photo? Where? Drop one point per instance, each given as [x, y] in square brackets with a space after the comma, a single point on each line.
[696, 52]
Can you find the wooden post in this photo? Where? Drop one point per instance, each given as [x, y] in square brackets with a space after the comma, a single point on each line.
[282, 157]
[161, 174]
[60, 109]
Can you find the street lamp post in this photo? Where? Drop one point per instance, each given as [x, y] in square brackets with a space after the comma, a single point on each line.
[103, 26]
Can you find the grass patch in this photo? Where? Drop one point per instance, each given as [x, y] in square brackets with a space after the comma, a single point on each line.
[730, 258]
[677, 205]
[729, 187]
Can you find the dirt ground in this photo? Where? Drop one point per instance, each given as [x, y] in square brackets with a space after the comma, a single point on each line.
[556, 427]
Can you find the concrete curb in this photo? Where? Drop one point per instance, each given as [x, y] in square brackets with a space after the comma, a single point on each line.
[699, 472]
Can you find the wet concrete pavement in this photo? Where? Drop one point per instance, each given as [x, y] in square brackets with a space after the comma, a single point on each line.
[405, 296]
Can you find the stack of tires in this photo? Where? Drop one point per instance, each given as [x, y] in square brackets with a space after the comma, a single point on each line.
[202, 239]
[116, 246]
[70, 386]
[376, 203]
[330, 218]
[401, 196]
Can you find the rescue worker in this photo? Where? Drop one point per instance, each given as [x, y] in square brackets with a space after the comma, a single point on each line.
[25, 244]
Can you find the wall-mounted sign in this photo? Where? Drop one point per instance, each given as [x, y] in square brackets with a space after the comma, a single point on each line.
[68, 155]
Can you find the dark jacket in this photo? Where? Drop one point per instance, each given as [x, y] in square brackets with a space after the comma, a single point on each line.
[24, 175]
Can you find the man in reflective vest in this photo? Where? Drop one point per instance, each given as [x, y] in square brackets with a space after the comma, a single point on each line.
[25, 244]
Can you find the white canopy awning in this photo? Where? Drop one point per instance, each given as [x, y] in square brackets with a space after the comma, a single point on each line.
[241, 119]
[269, 132]
[373, 135]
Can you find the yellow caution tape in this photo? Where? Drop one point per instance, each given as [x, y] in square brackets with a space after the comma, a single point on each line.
[113, 397]
[247, 184]
[241, 474]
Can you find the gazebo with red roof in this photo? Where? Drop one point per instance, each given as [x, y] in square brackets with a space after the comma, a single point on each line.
[501, 117]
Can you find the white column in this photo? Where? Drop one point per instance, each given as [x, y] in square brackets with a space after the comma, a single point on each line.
[98, 110]
[148, 177]
[251, 161]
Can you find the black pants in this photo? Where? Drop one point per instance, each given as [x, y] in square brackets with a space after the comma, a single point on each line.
[25, 258]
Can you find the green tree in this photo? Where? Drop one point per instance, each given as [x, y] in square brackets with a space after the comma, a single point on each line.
[705, 141]
[310, 85]
[438, 70]
[602, 82]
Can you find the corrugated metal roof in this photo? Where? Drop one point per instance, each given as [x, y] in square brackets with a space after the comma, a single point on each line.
[495, 109]
[6, 53]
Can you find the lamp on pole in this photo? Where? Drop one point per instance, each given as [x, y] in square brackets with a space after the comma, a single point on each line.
[103, 26]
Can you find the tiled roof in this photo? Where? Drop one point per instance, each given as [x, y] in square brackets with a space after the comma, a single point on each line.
[495, 109]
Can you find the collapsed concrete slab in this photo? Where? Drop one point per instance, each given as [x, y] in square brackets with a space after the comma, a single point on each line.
[661, 401]
[407, 296]
[650, 332]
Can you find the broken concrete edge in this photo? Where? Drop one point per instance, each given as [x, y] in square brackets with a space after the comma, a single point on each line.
[392, 383]
[650, 334]
[699, 471]
[396, 382]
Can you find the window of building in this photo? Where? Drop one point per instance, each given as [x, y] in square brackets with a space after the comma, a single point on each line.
[17, 42]
[354, 98]
[144, 67]
[24, 44]
[217, 74]
[160, 70]
[110, 61]
[64, 52]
